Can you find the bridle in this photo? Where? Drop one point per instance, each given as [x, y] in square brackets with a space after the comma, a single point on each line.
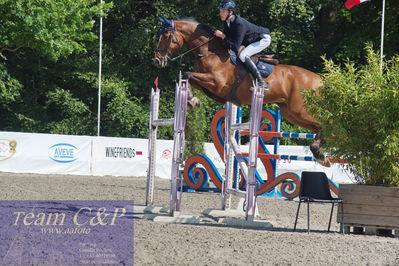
[169, 41]
[167, 47]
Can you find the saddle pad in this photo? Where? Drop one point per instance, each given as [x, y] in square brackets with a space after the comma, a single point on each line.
[265, 69]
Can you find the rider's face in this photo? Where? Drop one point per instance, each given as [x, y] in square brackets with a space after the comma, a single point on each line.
[223, 14]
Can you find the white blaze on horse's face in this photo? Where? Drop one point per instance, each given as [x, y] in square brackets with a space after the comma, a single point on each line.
[163, 52]
[168, 43]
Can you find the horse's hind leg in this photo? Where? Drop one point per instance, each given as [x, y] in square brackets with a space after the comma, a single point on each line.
[303, 119]
[315, 148]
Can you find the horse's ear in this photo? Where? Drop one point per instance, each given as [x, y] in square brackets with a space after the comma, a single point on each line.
[166, 22]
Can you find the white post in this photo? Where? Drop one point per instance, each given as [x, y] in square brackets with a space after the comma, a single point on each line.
[228, 158]
[152, 140]
[100, 70]
[382, 33]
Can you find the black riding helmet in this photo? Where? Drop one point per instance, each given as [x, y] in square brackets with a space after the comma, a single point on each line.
[227, 4]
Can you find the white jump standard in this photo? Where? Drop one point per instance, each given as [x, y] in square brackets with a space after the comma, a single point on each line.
[178, 122]
[232, 150]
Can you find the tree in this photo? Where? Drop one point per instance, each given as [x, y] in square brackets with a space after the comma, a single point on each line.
[34, 35]
[53, 28]
[358, 109]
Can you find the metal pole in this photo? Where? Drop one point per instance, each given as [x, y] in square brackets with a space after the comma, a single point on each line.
[100, 70]
[382, 32]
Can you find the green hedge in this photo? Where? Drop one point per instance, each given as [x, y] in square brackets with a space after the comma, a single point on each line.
[359, 111]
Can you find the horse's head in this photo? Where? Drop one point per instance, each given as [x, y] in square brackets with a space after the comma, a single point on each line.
[169, 42]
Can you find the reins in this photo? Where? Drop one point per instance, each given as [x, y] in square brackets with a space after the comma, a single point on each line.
[192, 49]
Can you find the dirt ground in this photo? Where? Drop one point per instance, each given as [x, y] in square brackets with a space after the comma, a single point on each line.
[212, 243]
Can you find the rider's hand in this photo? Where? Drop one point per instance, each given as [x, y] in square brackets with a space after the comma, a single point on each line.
[219, 34]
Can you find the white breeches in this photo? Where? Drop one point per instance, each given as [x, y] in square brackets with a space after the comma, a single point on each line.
[255, 47]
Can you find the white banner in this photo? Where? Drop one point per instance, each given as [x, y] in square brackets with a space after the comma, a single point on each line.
[84, 155]
[119, 156]
[44, 153]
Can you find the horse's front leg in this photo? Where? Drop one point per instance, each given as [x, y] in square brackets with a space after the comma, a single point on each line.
[192, 102]
[202, 80]
[198, 81]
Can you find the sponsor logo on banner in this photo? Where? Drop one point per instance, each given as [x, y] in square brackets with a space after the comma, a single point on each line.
[7, 148]
[121, 152]
[166, 154]
[63, 153]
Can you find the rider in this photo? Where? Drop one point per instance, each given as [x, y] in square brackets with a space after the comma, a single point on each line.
[243, 37]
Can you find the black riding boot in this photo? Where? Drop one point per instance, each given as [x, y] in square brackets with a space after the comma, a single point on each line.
[254, 71]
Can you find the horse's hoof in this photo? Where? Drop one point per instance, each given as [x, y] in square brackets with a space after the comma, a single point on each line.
[193, 103]
[187, 75]
[326, 162]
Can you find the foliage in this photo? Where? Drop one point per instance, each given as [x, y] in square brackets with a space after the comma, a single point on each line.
[53, 28]
[9, 88]
[69, 113]
[195, 129]
[291, 21]
[123, 113]
[358, 109]
[35, 37]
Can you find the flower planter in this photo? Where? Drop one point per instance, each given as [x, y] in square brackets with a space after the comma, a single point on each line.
[370, 206]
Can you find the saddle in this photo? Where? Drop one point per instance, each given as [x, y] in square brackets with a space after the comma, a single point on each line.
[265, 68]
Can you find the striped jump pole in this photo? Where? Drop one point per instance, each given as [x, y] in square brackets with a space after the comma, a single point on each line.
[282, 134]
[282, 157]
[293, 135]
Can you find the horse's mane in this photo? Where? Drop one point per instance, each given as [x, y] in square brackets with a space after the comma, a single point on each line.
[188, 19]
[207, 30]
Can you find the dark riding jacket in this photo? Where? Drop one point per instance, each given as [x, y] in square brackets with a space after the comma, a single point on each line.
[242, 32]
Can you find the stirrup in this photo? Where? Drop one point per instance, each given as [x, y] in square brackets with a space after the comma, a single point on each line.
[263, 84]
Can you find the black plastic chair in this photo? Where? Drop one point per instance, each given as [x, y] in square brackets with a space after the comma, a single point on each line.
[315, 188]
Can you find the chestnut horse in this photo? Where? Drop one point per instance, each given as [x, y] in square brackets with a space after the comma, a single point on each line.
[215, 75]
